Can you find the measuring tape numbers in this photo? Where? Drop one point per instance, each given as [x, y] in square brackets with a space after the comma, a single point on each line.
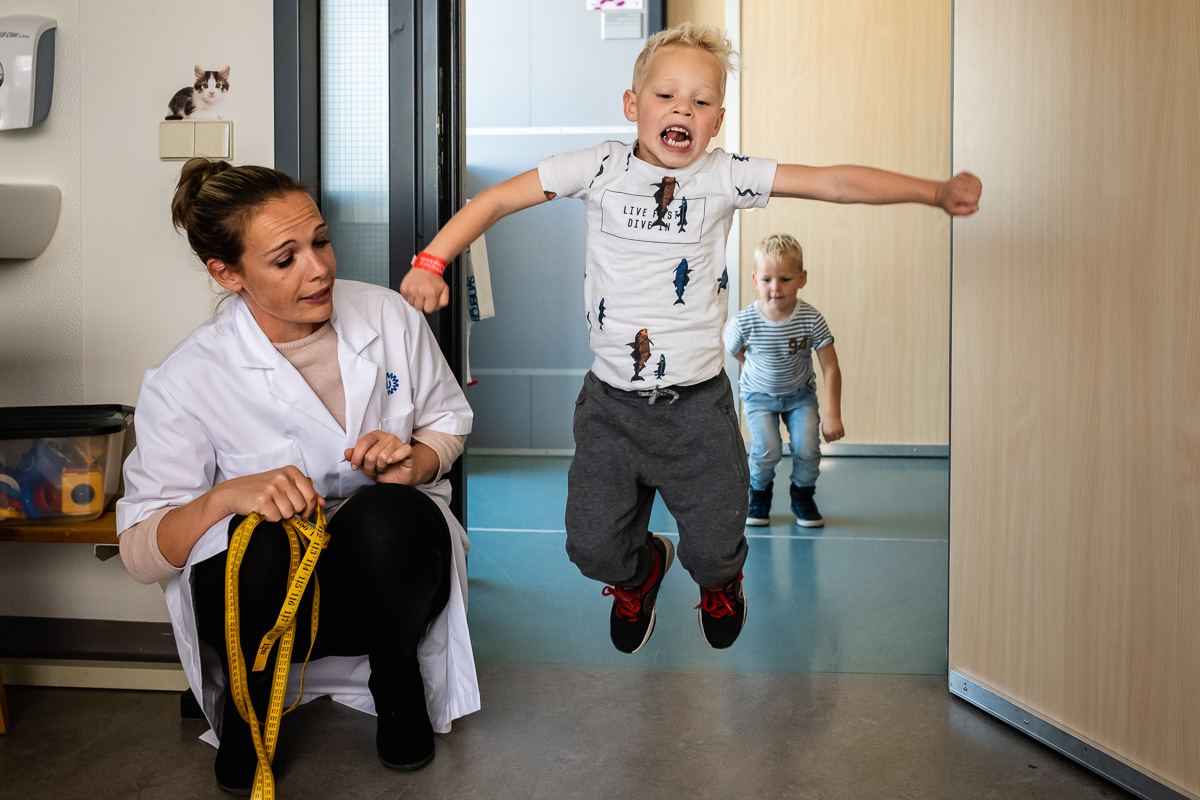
[302, 562]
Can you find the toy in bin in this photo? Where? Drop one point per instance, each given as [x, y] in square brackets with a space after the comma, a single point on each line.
[60, 461]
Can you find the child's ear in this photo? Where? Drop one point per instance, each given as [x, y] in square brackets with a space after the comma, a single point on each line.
[223, 275]
[803, 279]
[720, 119]
[629, 101]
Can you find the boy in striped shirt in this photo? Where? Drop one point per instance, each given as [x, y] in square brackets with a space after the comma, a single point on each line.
[774, 338]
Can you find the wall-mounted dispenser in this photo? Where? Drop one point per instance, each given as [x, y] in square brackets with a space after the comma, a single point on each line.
[28, 216]
[26, 69]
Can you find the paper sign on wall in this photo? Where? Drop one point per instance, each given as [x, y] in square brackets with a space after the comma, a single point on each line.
[613, 5]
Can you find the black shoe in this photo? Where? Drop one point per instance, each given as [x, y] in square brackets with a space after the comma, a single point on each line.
[403, 733]
[805, 508]
[632, 619]
[404, 741]
[722, 612]
[760, 506]
[236, 760]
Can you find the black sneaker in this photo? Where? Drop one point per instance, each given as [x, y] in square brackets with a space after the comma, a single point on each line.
[722, 612]
[760, 506]
[632, 618]
[805, 508]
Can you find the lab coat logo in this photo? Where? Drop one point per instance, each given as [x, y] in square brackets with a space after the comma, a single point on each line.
[393, 383]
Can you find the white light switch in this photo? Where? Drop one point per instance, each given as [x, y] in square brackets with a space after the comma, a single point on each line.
[176, 140]
[214, 139]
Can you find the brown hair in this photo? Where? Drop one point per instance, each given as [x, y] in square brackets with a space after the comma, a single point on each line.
[214, 199]
[778, 245]
[687, 34]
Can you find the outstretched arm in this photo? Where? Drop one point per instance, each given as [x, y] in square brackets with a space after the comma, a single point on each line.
[958, 196]
[428, 292]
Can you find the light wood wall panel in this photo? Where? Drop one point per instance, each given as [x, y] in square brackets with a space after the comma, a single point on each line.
[1075, 467]
[861, 82]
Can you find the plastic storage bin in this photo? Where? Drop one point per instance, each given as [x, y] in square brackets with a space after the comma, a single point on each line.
[60, 462]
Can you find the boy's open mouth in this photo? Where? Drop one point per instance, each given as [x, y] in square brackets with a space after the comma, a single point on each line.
[677, 138]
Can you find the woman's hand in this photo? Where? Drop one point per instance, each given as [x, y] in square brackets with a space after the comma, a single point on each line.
[278, 494]
[959, 196]
[424, 291]
[382, 457]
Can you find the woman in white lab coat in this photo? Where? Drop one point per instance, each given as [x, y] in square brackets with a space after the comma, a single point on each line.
[303, 391]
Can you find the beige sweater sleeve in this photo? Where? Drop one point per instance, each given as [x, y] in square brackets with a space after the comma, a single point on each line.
[139, 550]
[448, 447]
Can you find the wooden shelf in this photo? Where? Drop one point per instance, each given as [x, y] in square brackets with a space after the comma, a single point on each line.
[102, 530]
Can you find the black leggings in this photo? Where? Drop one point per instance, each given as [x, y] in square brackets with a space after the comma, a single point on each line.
[384, 576]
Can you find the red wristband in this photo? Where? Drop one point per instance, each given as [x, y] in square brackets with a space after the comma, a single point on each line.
[429, 263]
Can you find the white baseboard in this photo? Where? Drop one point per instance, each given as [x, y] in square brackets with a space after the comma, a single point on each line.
[93, 674]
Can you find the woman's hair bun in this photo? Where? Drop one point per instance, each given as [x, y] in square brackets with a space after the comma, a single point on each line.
[191, 179]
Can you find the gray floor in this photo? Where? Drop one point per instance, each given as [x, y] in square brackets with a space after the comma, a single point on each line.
[836, 689]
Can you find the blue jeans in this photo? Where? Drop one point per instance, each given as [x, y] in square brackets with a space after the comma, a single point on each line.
[798, 411]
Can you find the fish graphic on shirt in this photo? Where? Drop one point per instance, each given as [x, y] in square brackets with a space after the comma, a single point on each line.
[600, 314]
[662, 367]
[628, 156]
[681, 280]
[751, 192]
[737, 157]
[723, 281]
[662, 201]
[601, 172]
[640, 347]
[682, 213]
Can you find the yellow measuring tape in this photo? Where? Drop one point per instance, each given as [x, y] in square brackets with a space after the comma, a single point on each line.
[300, 569]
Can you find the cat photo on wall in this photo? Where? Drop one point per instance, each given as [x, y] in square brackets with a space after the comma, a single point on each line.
[204, 98]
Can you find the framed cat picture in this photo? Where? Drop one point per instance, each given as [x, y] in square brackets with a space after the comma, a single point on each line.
[204, 99]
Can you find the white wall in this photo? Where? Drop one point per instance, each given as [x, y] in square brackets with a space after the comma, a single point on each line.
[117, 288]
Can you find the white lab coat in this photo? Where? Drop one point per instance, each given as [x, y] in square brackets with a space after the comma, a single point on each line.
[224, 404]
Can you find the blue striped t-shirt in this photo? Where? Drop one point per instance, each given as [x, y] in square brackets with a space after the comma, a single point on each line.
[778, 354]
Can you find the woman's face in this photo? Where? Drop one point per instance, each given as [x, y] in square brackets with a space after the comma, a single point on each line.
[287, 269]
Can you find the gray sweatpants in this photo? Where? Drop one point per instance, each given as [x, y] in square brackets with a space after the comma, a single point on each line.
[690, 451]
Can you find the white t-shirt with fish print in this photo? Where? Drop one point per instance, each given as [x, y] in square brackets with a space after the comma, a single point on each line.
[655, 281]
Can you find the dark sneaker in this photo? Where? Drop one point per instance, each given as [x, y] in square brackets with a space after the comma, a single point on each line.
[760, 506]
[632, 618]
[404, 742]
[805, 508]
[236, 760]
[723, 612]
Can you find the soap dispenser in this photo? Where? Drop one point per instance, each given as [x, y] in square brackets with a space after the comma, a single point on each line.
[26, 69]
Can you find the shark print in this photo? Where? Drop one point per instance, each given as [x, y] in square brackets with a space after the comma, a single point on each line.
[662, 367]
[601, 172]
[736, 157]
[641, 353]
[662, 200]
[751, 192]
[723, 281]
[628, 156]
[588, 317]
[682, 214]
[681, 280]
[600, 315]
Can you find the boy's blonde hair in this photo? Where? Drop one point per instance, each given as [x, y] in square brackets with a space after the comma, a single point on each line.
[688, 34]
[778, 245]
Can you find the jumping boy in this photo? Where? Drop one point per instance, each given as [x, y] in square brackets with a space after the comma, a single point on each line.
[774, 337]
[656, 410]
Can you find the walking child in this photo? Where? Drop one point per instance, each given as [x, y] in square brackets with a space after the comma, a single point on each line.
[656, 410]
[774, 337]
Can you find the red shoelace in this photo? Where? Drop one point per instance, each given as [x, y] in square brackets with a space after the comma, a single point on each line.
[718, 601]
[629, 601]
